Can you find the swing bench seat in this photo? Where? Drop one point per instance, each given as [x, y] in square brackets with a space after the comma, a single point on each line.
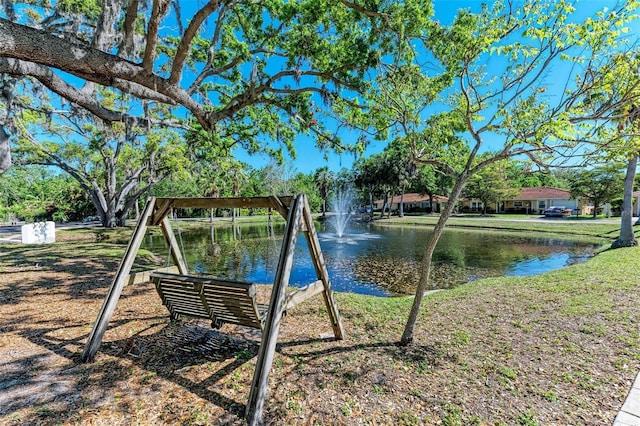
[221, 301]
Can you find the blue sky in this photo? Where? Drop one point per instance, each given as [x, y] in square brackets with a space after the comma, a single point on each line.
[309, 158]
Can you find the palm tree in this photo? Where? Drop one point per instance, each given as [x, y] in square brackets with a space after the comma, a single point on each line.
[324, 181]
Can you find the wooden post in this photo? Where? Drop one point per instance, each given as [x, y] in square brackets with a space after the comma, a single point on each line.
[321, 272]
[174, 247]
[118, 283]
[274, 316]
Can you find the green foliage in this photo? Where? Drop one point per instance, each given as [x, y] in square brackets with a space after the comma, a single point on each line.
[521, 174]
[390, 171]
[429, 181]
[27, 192]
[527, 419]
[598, 185]
[114, 164]
[306, 183]
[323, 179]
[89, 8]
[490, 185]
[281, 68]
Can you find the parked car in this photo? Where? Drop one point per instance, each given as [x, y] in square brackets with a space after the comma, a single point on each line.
[557, 211]
[91, 219]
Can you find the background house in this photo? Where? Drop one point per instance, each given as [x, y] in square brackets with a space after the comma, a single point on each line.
[533, 200]
[536, 200]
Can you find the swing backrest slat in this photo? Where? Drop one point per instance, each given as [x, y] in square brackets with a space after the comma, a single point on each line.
[181, 297]
[222, 301]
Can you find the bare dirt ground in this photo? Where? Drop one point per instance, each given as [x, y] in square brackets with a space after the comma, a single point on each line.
[494, 354]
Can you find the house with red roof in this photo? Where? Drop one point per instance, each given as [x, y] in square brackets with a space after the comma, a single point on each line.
[540, 198]
[533, 200]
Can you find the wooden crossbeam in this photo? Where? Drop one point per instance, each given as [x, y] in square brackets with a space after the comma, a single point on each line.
[164, 205]
[302, 294]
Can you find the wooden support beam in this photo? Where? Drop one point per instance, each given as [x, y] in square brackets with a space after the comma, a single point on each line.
[321, 271]
[174, 247]
[295, 298]
[163, 207]
[227, 202]
[118, 283]
[274, 315]
[277, 204]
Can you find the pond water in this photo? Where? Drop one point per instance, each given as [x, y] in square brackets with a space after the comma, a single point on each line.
[371, 260]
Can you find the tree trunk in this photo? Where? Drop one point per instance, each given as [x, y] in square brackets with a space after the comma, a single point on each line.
[626, 238]
[425, 265]
[108, 218]
[391, 206]
[5, 150]
[401, 210]
[384, 204]
[121, 219]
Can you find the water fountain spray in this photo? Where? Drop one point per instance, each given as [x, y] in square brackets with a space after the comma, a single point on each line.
[341, 205]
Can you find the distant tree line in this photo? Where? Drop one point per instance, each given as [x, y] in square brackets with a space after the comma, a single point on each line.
[35, 192]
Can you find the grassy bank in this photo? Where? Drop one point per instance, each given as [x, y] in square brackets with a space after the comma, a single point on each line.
[606, 229]
[558, 348]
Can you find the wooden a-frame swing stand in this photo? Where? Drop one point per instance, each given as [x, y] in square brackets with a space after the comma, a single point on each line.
[201, 297]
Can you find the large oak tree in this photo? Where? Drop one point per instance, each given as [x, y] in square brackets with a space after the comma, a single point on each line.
[230, 73]
[249, 73]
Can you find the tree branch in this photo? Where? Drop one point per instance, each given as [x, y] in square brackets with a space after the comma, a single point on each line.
[128, 27]
[32, 45]
[79, 97]
[189, 34]
[157, 12]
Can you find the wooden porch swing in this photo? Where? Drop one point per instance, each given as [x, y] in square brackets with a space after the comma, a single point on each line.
[226, 301]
